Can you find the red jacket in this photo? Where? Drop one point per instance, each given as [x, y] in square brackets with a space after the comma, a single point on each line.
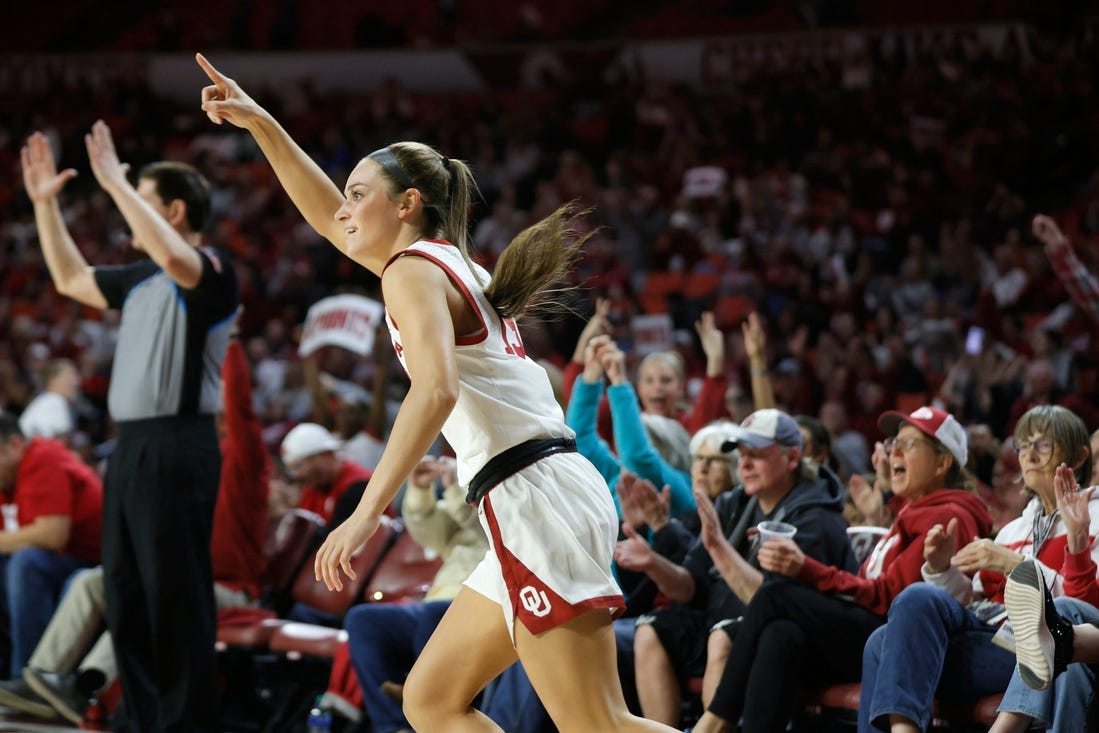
[895, 562]
[323, 501]
[240, 515]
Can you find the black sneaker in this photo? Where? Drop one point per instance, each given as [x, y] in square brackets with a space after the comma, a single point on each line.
[1043, 640]
[59, 691]
[17, 695]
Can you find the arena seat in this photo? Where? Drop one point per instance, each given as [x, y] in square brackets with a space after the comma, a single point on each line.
[311, 592]
[404, 574]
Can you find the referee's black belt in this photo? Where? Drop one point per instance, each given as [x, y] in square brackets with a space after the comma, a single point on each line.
[512, 461]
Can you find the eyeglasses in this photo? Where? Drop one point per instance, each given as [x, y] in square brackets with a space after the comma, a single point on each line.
[1043, 447]
[905, 444]
[706, 461]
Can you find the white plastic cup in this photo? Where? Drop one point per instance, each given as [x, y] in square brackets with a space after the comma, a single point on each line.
[767, 530]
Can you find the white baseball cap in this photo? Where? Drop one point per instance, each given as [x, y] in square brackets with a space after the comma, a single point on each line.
[307, 439]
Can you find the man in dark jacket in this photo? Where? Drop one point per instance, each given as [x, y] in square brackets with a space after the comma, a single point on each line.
[719, 572]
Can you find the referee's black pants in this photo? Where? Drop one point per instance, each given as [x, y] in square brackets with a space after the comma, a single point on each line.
[158, 511]
[793, 638]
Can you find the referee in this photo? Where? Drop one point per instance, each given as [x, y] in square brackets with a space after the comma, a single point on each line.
[161, 484]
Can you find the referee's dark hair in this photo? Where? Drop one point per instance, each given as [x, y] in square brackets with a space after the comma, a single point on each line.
[176, 180]
[9, 426]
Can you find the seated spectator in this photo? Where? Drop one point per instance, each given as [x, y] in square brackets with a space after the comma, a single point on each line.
[50, 414]
[824, 613]
[58, 507]
[331, 484]
[386, 638]
[1048, 691]
[938, 636]
[74, 660]
[720, 573]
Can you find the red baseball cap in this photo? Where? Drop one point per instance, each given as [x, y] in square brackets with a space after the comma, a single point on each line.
[936, 423]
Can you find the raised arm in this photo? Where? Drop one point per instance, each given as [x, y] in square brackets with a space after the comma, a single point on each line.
[72, 276]
[311, 190]
[152, 230]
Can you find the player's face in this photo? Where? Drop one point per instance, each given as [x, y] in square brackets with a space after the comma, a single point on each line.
[368, 214]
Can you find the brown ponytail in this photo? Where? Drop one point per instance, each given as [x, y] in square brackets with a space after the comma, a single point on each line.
[538, 258]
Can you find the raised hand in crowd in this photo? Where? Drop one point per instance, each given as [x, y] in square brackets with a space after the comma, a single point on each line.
[592, 360]
[1072, 500]
[755, 341]
[1046, 230]
[939, 545]
[712, 340]
[781, 555]
[755, 347]
[598, 325]
[614, 361]
[642, 504]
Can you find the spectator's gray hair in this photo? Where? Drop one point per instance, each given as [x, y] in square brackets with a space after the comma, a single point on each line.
[670, 439]
[713, 436]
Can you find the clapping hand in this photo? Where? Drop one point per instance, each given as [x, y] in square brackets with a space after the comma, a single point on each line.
[633, 553]
[1073, 501]
[642, 504]
[984, 554]
[939, 545]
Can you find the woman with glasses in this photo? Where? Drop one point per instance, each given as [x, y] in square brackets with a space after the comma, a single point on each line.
[938, 640]
[809, 630]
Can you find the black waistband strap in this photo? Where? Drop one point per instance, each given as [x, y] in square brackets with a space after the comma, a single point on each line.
[514, 460]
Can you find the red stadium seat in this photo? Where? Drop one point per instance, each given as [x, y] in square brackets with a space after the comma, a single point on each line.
[404, 574]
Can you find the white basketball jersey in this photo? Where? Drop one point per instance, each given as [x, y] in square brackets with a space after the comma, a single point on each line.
[504, 398]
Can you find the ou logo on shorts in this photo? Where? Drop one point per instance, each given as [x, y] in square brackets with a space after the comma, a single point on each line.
[535, 601]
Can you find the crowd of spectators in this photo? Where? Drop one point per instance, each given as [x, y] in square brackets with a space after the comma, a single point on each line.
[879, 222]
[873, 210]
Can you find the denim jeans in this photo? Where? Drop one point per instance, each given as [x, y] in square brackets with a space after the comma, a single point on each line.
[385, 639]
[930, 643]
[33, 581]
[1069, 701]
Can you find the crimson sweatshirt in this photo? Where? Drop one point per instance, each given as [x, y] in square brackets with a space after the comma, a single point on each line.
[895, 562]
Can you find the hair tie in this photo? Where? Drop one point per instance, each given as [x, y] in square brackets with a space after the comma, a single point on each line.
[445, 161]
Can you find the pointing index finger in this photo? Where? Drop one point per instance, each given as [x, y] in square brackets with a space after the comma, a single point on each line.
[214, 74]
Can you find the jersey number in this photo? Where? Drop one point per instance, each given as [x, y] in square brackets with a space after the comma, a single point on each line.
[513, 343]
